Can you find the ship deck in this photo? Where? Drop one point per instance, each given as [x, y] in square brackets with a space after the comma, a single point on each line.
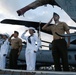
[24, 72]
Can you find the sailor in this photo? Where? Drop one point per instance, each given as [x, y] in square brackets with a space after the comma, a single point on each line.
[59, 45]
[16, 47]
[4, 50]
[1, 40]
[31, 48]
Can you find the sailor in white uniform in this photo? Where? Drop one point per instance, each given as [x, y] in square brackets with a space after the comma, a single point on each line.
[4, 51]
[31, 48]
[1, 40]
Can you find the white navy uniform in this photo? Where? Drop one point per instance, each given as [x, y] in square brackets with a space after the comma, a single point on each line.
[4, 51]
[29, 53]
[1, 41]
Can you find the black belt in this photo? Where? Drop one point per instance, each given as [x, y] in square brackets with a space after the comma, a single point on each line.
[59, 39]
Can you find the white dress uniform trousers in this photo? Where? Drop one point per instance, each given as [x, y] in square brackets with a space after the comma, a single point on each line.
[3, 51]
[29, 53]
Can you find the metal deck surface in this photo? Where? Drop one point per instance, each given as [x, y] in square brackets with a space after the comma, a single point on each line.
[24, 72]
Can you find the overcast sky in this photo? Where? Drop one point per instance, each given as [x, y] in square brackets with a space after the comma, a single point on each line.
[8, 10]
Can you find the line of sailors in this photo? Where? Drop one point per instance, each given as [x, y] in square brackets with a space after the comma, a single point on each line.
[16, 47]
[59, 46]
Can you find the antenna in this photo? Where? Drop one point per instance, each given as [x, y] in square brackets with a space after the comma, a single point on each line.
[39, 34]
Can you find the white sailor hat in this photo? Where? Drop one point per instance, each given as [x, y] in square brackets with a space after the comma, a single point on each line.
[6, 34]
[32, 28]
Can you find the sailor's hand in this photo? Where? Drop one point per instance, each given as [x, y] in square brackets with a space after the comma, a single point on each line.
[26, 30]
[51, 19]
[12, 35]
[34, 51]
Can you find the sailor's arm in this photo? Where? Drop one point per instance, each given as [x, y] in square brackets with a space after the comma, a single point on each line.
[38, 42]
[7, 44]
[67, 29]
[20, 46]
[23, 35]
[68, 44]
[46, 27]
[10, 37]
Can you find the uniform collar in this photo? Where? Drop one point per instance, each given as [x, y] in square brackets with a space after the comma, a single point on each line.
[57, 23]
